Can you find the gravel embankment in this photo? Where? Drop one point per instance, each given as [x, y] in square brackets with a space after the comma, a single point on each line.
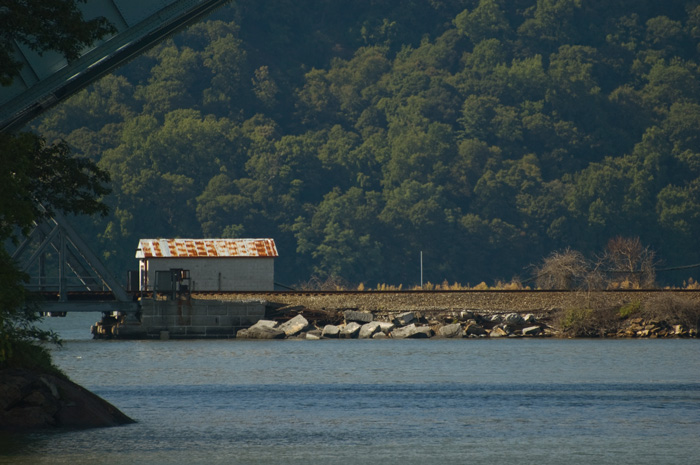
[484, 302]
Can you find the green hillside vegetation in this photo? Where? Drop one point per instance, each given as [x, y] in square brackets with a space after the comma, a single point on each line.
[486, 134]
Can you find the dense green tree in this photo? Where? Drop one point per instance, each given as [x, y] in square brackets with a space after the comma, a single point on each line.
[43, 26]
[36, 180]
[485, 133]
[341, 238]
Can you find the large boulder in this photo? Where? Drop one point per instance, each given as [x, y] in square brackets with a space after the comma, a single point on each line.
[370, 329]
[498, 332]
[31, 401]
[513, 319]
[330, 331]
[474, 329]
[263, 329]
[350, 331]
[404, 319]
[424, 331]
[412, 331]
[386, 327]
[294, 326]
[532, 331]
[357, 317]
[452, 330]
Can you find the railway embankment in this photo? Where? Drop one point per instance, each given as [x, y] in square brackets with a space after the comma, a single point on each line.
[396, 314]
[651, 313]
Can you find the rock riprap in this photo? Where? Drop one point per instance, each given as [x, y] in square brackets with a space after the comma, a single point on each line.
[402, 325]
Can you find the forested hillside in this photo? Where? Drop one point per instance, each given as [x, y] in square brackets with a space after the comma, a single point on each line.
[486, 134]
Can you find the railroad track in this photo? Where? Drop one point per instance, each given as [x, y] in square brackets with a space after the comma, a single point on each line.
[485, 301]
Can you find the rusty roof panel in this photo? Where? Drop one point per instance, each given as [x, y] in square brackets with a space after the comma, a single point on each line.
[162, 248]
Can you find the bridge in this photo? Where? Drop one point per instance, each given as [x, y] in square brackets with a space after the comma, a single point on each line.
[47, 79]
[78, 280]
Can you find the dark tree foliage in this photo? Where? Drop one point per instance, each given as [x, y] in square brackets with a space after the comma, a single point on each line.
[36, 178]
[35, 181]
[43, 25]
[485, 133]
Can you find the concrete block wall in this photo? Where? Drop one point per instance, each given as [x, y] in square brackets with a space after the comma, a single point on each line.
[199, 318]
[219, 274]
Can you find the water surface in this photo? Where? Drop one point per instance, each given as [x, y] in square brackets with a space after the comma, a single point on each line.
[503, 401]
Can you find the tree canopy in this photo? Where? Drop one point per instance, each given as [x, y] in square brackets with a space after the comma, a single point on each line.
[484, 133]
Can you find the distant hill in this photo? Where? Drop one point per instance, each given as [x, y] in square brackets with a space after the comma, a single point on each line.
[485, 134]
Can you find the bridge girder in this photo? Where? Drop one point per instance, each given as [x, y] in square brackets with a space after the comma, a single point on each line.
[48, 79]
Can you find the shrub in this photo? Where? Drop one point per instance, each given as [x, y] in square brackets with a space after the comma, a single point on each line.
[588, 322]
[576, 322]
[30, 355]
[567, 270]
[629, 309]
[673, 310]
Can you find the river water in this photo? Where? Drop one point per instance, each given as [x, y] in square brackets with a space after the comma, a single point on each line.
[505, 401]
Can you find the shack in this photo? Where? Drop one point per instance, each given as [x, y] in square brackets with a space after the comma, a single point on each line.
[208, 265]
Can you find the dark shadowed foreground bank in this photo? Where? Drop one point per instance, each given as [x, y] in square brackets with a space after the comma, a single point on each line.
[31, 400]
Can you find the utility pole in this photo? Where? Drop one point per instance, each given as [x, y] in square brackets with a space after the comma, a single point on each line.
[421, 269]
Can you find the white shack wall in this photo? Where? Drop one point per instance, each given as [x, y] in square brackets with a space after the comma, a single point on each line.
[217, 273]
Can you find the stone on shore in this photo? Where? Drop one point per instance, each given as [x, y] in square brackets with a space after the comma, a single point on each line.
[380, 335]
[350, 331]
[314, 335]
[404, 319]
[532, 331]
[404, 332]
[411, 331]
[424, 331]
[330, 331]
[368, 330]
[451, 330]
[266, 323]
[513, 319]
[294, 326]
[474, 329]
[498, 332]
[263, 329]
[357, 317]
[386, 327]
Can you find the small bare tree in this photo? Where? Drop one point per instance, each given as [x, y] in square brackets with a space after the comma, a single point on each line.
[567, 270]
[628, 264]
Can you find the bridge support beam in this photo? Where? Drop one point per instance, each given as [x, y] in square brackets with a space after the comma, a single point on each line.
[75, 261]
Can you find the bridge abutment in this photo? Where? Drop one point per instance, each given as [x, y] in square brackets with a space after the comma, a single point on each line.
[183, 319]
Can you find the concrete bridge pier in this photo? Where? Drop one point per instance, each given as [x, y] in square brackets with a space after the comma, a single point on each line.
[183, 319]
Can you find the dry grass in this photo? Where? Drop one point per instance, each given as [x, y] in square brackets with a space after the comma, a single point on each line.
[673, 310]
[588, 322]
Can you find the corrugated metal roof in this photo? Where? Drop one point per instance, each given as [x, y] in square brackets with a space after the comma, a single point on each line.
[162, 248]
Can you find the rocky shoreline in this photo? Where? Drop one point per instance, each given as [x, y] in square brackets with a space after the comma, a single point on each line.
[353, 324]
[30, 401]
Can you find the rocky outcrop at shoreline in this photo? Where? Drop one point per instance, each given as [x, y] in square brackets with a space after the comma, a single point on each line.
[30, 401]
[404, 325]
[353, 324]
[492, 314]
